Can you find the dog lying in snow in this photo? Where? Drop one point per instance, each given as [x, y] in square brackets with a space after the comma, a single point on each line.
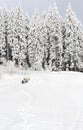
[25, 80]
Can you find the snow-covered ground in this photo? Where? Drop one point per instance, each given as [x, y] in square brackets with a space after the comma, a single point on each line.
[50, 101]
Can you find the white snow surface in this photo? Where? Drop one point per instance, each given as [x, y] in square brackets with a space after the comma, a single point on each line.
[49, 101]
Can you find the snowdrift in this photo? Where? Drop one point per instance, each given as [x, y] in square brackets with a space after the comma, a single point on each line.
[50, 101]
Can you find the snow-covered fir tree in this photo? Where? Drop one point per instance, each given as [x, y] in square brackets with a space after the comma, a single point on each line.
[80, 41]
[2, 38]
[11, 32]
[27, 28]
[71, 46]
[6, 31]
[19, 44]
[54, 47]
[43, 39]
[35, 46]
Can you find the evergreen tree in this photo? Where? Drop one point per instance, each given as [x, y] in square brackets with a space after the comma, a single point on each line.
[43, 39]
[35, 47]
[19, 44]
[11, 33]
[71, 44]
[6, 31]
[27, 29]
[2, 38]
[54, 47]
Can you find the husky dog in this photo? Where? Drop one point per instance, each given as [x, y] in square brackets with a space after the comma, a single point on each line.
[25, 80]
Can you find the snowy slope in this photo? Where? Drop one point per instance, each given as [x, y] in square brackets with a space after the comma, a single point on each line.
[50, 101]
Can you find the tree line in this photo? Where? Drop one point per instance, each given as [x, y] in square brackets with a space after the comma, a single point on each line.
[41, 42]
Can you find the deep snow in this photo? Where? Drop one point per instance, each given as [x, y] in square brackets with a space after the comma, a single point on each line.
[50, 101]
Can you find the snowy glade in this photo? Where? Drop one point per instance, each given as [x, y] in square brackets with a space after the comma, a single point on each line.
[42, 42]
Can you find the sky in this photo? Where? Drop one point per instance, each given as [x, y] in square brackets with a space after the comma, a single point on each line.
[42, 5]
